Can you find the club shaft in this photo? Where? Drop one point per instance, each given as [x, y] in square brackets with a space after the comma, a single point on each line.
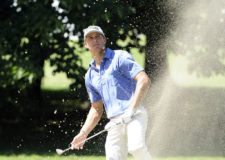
[65, 150]
[100, 132]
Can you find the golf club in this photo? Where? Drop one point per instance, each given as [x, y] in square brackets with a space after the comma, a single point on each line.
[60, 151]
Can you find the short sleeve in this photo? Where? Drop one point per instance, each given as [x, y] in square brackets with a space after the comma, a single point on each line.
[128, 66]
[92, 92]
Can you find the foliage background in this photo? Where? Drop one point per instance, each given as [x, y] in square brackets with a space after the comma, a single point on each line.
[35, 32]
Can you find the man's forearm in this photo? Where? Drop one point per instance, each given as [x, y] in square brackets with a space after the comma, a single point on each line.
[92, 120]
[143, 84]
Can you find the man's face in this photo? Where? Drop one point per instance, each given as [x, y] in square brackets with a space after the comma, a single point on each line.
[95, 42]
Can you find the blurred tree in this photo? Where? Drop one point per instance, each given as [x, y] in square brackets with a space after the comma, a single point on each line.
[200, 36]
[30, 33]
[34, 31]
[127, 20]
[155, 19]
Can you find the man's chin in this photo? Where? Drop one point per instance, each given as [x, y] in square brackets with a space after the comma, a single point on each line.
[98, 49]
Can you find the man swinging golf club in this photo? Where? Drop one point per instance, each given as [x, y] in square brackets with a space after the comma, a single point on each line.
[116, 83]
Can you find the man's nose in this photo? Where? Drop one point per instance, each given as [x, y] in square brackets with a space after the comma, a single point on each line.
[95, 39]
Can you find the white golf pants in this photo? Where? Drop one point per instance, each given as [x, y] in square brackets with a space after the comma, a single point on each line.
[128, 138]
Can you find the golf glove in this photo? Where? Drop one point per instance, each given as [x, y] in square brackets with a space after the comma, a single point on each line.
[128, 116]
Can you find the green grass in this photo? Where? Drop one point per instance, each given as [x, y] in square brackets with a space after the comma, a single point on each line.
[192, 158]
[74, 157]
[58, 81]
[46, 157]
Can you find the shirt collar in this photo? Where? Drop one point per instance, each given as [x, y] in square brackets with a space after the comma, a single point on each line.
[108, 55]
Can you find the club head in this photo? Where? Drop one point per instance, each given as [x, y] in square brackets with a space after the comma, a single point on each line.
[59, 151]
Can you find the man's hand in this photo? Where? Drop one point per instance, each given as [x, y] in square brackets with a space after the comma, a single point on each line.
[78, 141]
[128, 116]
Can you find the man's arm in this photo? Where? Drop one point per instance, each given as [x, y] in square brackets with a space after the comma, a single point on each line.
[142, 86]
[94, 116]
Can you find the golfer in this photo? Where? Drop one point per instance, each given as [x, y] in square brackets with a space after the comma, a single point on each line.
[116, 83]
